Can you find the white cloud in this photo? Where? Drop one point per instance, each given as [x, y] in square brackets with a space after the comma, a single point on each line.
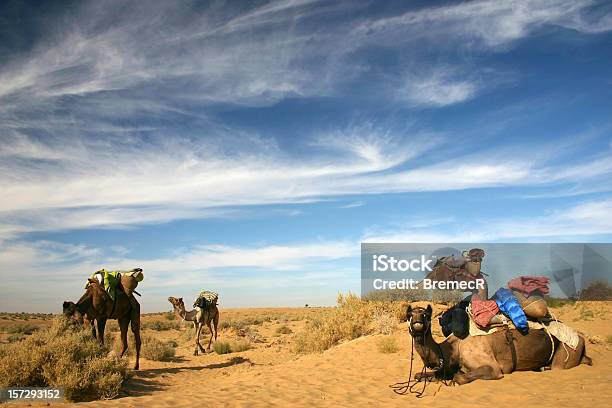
[437, 89]
[488, 23]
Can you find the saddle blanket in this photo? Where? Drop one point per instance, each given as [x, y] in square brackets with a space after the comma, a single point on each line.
[555, 328]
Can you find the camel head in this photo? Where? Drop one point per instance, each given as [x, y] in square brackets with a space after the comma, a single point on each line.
[419, 320]
[177, 303]
[70, 310]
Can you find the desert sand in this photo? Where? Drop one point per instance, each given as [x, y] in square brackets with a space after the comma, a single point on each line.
[355, 373]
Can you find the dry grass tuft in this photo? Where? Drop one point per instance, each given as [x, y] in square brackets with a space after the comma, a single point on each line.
[387, 345]
[62, 356]
[223, 347]
[384, 323]
[284, 329]
[151, 347]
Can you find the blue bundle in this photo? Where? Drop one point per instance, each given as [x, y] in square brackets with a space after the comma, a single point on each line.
[510, 306]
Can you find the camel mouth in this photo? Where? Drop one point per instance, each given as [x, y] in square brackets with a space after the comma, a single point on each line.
[417, 327]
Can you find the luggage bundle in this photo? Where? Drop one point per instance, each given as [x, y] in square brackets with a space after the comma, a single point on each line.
[111, 280]
[523, 300]
[206, 299]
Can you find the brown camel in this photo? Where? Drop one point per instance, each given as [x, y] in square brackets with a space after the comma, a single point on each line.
[488, 357]
[96, 305]
[199, 317]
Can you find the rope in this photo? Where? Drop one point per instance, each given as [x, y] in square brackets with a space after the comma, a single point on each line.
[403, 388]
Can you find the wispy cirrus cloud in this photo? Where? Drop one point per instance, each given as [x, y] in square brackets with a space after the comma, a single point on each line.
[121, 183]
[488, 23]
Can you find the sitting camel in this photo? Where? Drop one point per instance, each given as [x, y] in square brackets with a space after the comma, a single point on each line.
[96, 305]
[199, 317]
[488, 357]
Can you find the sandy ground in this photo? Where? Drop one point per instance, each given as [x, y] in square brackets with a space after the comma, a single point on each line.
[356, 374]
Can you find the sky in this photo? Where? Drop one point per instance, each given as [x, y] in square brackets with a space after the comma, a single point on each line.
[250, 147]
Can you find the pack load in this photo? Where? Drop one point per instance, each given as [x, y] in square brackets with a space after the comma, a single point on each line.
[111, 280]
[206, 299]
[534, 306]
[509, 305]
[466, 268]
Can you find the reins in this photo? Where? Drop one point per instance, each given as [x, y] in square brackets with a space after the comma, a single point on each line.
[403, 388]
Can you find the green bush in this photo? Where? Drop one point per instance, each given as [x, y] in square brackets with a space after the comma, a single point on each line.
[63, 356]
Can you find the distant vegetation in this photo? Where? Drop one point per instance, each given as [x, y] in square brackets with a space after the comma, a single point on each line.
[597, 290]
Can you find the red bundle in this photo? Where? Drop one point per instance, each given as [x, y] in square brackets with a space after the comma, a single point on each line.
[530, 285]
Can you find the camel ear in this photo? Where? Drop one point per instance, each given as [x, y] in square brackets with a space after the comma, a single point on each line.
[408, 312]
[180, 299]
[429, 310]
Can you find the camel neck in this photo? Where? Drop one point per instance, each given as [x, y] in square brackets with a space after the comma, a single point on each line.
[429, 350]
[180, 313]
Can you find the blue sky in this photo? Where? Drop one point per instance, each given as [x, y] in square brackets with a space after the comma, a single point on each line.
[249, 147]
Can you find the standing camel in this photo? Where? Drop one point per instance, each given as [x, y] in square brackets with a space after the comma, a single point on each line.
[488, 357]
[199, 317]
[96, 305]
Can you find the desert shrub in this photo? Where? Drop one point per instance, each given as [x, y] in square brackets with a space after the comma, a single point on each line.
[383, 323]
[349, 320]
[156, 350]
[13, 338]
[62, 356]
[161, 325]
[284, 329]
[22, 328]
[238, 346]
[170, 316]
[586, 314]
[222, 347]
[172, 343]
[597, 290]
[151, 348]
[387, 344]
[609, 339]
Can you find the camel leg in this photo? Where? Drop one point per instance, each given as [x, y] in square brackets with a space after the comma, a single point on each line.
[101, 325]
[124, 322]
[565, 357]
[481, 373]
[211, 334]
[197, 339]
[135, 324]
[216, 323]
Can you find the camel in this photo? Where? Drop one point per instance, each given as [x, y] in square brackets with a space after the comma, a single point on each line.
[96, 305]
[199, 317]
[488, 357]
